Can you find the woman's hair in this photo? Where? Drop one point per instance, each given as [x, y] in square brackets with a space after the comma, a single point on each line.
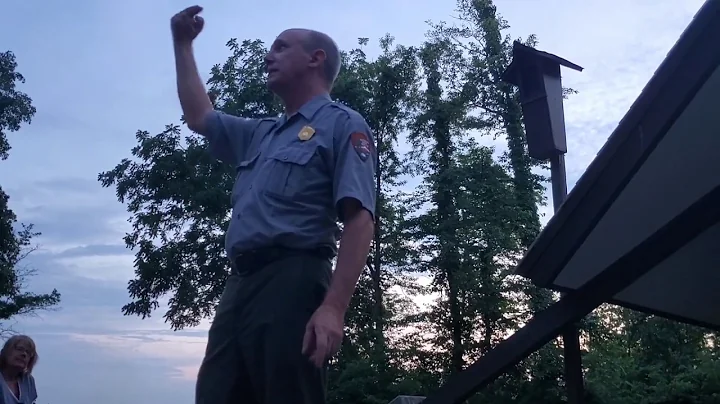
[13, 342]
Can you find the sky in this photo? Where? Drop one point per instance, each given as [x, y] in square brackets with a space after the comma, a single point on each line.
[99, 71]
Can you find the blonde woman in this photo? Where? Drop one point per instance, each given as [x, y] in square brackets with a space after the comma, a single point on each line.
[17, 359]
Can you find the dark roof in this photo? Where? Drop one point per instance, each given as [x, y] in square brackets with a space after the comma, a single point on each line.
[685, 69]
[522, 53]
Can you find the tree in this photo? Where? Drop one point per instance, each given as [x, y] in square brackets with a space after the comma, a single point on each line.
[15, 245]
[468, 226]
[479, 32]
[381, 90]
[179, 198]
[638, 358]
[465, 227]
[632, 357]
[15, 107]
[441, 120]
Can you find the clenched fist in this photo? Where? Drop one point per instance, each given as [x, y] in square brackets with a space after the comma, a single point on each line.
[187, 24]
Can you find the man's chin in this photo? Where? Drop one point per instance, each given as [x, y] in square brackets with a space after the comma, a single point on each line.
[272, 79]
[274, 85]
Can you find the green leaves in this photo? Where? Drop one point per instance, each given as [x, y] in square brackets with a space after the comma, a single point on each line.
[15, 107]
[437, 293]
[179, 198]
[637, 358]
[15, 245]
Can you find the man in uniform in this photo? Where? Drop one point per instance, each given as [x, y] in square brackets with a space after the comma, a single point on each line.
[281, 315]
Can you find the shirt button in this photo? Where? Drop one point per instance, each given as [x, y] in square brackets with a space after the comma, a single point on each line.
[284, 157]
[250, 186]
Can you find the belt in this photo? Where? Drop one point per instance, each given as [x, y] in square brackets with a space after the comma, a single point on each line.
[248, 262]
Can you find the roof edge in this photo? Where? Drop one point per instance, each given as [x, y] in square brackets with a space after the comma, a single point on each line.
[536, 264]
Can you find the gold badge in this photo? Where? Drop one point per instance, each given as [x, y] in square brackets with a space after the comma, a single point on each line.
[306, 133]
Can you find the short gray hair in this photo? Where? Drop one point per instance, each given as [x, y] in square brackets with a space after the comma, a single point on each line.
[317, 40]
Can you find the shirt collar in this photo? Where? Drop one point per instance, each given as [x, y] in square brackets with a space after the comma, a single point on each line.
[310, 108]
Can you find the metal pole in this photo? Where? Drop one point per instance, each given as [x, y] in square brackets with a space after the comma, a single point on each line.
[574, 382]
[558, 180]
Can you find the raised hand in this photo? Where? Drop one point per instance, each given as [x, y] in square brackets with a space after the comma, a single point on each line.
[186, 25]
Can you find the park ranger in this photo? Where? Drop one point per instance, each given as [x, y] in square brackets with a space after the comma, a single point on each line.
[281, 315]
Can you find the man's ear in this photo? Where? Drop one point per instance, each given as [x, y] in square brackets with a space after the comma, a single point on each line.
[317, 58]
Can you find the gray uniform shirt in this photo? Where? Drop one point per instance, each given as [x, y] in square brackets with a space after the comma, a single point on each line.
[28, 394]
[292, 172]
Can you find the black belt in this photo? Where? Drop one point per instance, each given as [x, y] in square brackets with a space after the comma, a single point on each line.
[251, 261]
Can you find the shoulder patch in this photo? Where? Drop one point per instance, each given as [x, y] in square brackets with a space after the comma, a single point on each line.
[361, 144]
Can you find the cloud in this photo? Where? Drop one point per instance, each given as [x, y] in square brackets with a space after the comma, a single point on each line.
[69, 212]
[97, 74]
[105, 268]
[185, 372]
[97, 268]
[94, 250]
[92, 281]
[182, 354]
[89, 373]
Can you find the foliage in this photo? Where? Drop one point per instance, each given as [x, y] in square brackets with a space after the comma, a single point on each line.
[436, 294]
[15, 245]
[180, 199]
[15, 107]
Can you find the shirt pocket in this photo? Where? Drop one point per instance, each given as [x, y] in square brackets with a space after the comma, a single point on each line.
[242, 180]
[290, 170]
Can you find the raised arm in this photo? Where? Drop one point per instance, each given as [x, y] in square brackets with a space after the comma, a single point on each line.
[195, 103]
[228, 136]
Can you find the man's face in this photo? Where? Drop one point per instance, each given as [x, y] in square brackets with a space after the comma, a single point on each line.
[287, 61]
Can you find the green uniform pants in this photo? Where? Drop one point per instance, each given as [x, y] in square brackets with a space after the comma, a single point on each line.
[254, 350]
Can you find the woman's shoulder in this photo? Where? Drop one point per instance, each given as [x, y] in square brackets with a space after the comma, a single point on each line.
[29, 381]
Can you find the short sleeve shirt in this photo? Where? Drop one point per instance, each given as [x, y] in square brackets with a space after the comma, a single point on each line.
[293, 172]
[28, 393]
